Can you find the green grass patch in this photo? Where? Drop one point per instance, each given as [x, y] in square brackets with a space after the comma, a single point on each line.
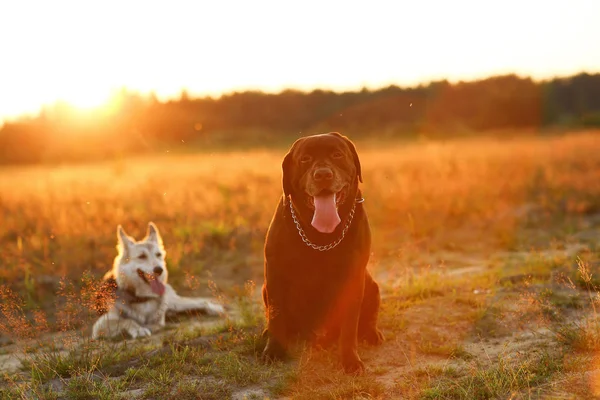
[503, 378]
[89, 357]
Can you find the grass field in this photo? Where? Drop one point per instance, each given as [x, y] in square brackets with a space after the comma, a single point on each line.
[486, 250]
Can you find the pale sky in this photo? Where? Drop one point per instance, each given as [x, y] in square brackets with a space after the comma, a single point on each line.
[80, 51]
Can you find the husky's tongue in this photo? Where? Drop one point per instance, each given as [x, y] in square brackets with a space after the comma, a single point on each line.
[326, 217]
[157, 287]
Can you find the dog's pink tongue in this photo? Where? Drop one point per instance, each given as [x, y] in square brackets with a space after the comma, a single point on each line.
[157, 287]
[326, 217]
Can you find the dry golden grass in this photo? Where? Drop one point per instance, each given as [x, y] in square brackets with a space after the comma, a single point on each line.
[426, 200]
[61, 220]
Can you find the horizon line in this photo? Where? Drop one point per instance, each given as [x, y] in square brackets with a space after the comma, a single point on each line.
[194, 95]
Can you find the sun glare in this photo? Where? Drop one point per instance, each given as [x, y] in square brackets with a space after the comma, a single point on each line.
[87, 103]
[87, 99]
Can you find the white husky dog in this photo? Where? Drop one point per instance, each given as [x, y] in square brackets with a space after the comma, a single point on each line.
[140, 294]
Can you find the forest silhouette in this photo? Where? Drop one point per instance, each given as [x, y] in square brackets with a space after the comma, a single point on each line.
[135, 124]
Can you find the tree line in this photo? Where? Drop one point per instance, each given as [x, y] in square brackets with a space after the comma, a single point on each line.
[133, 123]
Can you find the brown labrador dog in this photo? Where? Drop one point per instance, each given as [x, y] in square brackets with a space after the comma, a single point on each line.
[317, 287]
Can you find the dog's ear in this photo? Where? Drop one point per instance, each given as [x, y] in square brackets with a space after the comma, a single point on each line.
[153, 234]
[354, 153]
[287, 166]
[124, 241]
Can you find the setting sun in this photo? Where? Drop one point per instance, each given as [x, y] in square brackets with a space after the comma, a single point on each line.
[84, 99]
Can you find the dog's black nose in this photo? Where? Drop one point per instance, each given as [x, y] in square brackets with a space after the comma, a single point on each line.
[323, 174]
[158, 270]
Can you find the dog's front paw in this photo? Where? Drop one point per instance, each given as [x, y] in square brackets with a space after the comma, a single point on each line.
[353, 364]
[138, 331]
[273, 351]
[155, 327]
[156, 322]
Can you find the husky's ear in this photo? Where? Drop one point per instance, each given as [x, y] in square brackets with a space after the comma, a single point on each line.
[124, 241]
[153, 234]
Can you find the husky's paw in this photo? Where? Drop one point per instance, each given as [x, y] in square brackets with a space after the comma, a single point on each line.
[156, 323]
[214, 308]
[155, 327]
[138, 331]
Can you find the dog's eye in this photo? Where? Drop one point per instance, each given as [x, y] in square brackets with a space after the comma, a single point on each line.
[337, 154]
[142, 256]
[305, 158]
[159, 255]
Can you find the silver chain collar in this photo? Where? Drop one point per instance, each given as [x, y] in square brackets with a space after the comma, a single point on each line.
[332, 244]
